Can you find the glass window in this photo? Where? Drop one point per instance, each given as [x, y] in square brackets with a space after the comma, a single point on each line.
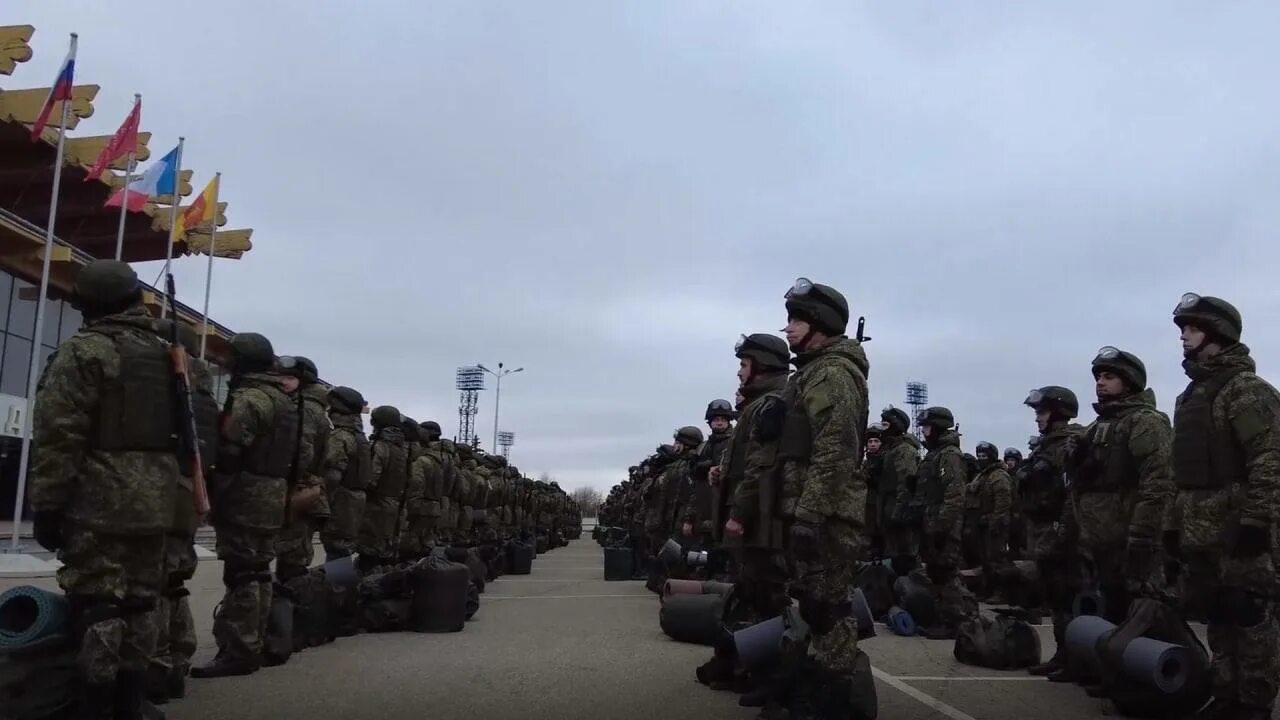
[6, 289]
[13, 370]
[71, 321]
[52, 316]
[22, 312]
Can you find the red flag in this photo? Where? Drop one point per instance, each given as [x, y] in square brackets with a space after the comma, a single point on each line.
[122, 143]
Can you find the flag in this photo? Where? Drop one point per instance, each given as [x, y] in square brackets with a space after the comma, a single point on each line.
[122, 143]
[159, 179]
[61, 90]
[204, 209]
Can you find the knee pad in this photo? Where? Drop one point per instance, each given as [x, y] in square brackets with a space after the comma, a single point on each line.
[1237, 607]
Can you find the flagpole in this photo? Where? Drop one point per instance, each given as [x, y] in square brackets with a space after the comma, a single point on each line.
[33, 372]
[124, 198]
[208, 273]
[173, 220]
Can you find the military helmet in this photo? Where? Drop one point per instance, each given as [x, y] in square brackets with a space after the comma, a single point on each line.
[896, 419]
[299, 367]
[986, 451]
[385, 416]
[875, 430]
[936, 417]
[1054, 398]
[345, 399]
[822, 306]
[410, 428]
[431, 429]
[1126, 365]
[1013, 453]
[251, 352]
[1214, 316]
[448, 446]
[188, 338]
[106, 283]
[721, 409]
[465, 451]
[767, 352]
[689, 435]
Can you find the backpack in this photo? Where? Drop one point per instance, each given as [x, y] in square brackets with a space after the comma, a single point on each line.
[999, 642]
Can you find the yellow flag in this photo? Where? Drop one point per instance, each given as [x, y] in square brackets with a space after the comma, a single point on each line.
[203, 210]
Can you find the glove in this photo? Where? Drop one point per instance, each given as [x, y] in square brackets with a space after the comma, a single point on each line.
[1172, 541]
[687, 529]
[804, 540]
[47, 526]
[733, 527]
[1251, 541]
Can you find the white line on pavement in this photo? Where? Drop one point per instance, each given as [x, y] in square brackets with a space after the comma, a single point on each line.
[923, 697]
[967, 678]
[647, 596]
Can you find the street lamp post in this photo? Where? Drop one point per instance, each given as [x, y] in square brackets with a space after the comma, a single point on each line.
[497, 395]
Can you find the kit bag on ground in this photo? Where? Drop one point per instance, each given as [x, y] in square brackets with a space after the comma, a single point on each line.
[440, 589]
[697, 619]
[37, 680]
[521, 555]
[915, 595]
[618, 563]
[473, 599]
[876, 583]
[999, 642]
[541, 544]
[1153, 663]
[469, 557]
[278, 643]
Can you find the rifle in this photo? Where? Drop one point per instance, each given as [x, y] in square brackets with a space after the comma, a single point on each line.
[184, 411]
[862, 326]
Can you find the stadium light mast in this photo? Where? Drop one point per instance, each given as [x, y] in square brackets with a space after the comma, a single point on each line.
[505, 440]
[917, 400]
[470, 381]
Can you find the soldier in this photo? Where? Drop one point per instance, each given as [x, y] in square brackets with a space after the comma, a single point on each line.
[677, 481]
[816, 424]
[1018, 526]
[698, 527]
[448, 492]
[656, 531]
[258, 446]
[900, 459]
[992, 493]
[294, 549]
[872, 465]
[1226, 456]
[427, 473]
[386, 486]
[1121, 485]
[940, 490]
[175, 627]
[1042, 498]
[463, 492]
[413, 499]
[102, 482]
[347, 471]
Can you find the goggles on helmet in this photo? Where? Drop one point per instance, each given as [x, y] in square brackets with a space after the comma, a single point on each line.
[1188, 301]
[721, 405]
[1107, 352]
[801, 287]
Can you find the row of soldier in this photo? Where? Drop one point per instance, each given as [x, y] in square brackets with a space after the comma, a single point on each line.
[1181, 514]
[287, 458]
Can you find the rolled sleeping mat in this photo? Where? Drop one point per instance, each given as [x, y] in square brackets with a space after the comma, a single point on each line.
[1082, 637]
[1158, 665]
[671, 552]
[341, 572]
[901, 622]
[1089, 602]
[29, 614]
[693, 619]
[681, 587]
[862, 613]
[711, 587]
[759, 644]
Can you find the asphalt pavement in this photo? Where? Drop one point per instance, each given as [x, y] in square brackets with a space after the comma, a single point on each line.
[563, 643]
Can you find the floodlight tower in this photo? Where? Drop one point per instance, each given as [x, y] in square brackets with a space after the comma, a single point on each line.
[470, 381]
[505, 440]
[917, 400]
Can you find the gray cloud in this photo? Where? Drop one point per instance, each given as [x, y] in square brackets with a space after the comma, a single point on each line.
[608, 195]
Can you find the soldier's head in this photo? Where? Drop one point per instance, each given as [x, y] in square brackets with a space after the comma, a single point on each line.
[987, 454]
[1117, 373]
[297, 371]
[687, 438]
[251, 352]
[1033, 442]
[760, 353]
[384, 416]
[345, 401]
[719, 415]
[934, 421]
[874, 433]
[105, 287]
[1012, 458]
[1053, 405]
[896, 421]
[430, 430]
[409, 427]
[1208, 325]
[816, 313]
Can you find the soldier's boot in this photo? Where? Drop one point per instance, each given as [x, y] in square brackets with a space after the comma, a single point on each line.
[224, 665]
[1052, 665]
[1063, 674]
[717, 669]
[128, 700]
[176, 683]
[156, 684]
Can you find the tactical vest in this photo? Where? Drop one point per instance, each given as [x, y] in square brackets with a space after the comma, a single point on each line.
[796, 442]
[935, 486]
[1205, 456]
[359, 472]
[391, 483]
[273, 454]
[137, 411]
[206, 412]
[736, 468]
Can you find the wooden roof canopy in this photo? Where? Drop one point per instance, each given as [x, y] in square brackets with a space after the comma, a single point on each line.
[86, 228]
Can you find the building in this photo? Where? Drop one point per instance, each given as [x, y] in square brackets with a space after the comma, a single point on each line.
[86, 230]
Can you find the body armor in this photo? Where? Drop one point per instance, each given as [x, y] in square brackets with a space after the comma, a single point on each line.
[1205, 456]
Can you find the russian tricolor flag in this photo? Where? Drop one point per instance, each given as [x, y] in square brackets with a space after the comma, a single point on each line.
[61, 90]
[159, 179]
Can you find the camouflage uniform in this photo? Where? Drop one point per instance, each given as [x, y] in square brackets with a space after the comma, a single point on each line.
[347, 471]
[900, 460]
[1226, 452]
[940, 490]
[294, 547]
[375, 542]
[258, 444]
[408, 541]
[427, 473]
[448, 525]
[986, 530]
[103, 477]
[697, 511]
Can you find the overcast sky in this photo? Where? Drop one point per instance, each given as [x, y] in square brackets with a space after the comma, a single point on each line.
[607, 194]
